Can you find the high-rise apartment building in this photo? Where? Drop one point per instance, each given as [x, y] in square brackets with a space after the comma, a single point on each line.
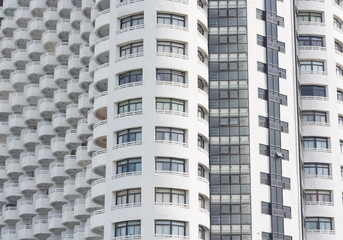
[171, 119]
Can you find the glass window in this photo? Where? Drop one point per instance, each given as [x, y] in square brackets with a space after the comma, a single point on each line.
[201, 56]
[130, 77]
[170, 134]
[339, 95]
[200, 3]
[202, 201]
[201, 84]
[312, 66]
[310, 90]
[130, 105]
[313, 116]
[315, 142]
[170, 164]
[129, 165]
[130, 21]
[129, 135]
[168, 227]
[201, 29]
[168, 75]
[170, 104]
[340, 120]
[171, 47]
[201, 171]
[338, 47]
[316, 169]
[201, 142]
[128, 196]
[168, 195]
[309, 17]
[128, 228]
[339, 71]
[337, 23]
[201, 112]
[318, 223]
[201, 233]
[311, 41]
[171, 19]
[131, 48]
[318, 195]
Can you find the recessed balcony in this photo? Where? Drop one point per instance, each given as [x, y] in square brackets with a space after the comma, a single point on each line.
[42, 178]
[68, 219]
[45, 132]
[80, 210]
[63, 29]
[84, 79]
[32, 93]
[34, 71]
[5, 109]
[11, 191]
[31, 116]
[29, 138]
[73, 89]
[20, 58]
[9, 7]
[13, 168]
[82, 157]
[58, 148]
[28, 161]
[8, 26]
[14, 145]
[64, 8]
[50, 18]
[7, 46]
[37, 8]
[6, 67]
[90, 175]
[83, 104]
[49, 40]
[71, 141]
[47, 85]
[56, 197]
[70, 165]
[83, 132]
[61, 76]
[57, 173]
[86, 8]
[21, 37]
[62, 52]
[59, 123]
[36, 28]
[85, 29]
[10, 215]
[40, 227]
[22, 16]
[25, 232]
[91, 120]
[34, 49]
[80, 183]
[100, 106]
[97, 221]
[72, 114]
[17, 101]
[44, 154]
[41, 203]
[26, 208]
[46, 107]
[69, 192]
[61, 99]
[75, 18]
[91, 206]
[16, 123]
[27, 185]
[48, 62]
[55, 222]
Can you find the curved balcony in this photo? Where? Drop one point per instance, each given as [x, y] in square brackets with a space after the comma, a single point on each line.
[70, 165]
[79, 232]
[7, 234]
[99, 162]
[49, 40]
[94, 13]
[11, 191]
[61, 76]
[73, 89]
[43, 180]
[85, 29]
[86, 7]
[17, 101]
[47, 85]
[63, 29]
[102, 50]
[50, 18]
[102, 22]
[79, 209]
[34, 71]
[83, 132]
[16, 123]
[36, 28]
[97, 221]
[101, 77]
[100, 106]
[55, 222]
[75, 18]
[85, 54]
[5, 88]
[20, 58]
[98, 191]
[4, 130]
[84, 105]
[88, 234]
[13, 168]
[40, 227]
[3, 175]
[100, 134]
[91, 206]
[72, 114]
[10, 215]
[91, 147]
[2, 223]
[31, 116]
[27, 185]
[91, 120]
[29, 138]
[23, 3]
[14, 145]
[56, 197]
[9, 7]
[58, 148]
[25, 232]
[68, 219]
[75, 41]
[69, 192]
[34, 49]
[74, 66]
[32, 93]
[48, 62]
[28, 161]
[64, 8]
[41, 203]
[44, 154]
[7, 46]
[8, 26]
[90, 175]
[92, 65]
[62, 52]
[82, 157]
[22, 16]
[57, 173]
[37, 8]
[84, 79]
[80, 183]
[6, 67]
[61, 99]
[71, 141]
[21, 37]
[3, 152]
[26, 208]
[59, 123]
[18, 79]
[46, 108]
[5, 109]
[2, 198]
